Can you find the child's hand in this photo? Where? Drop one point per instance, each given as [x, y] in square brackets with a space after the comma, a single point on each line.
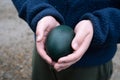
[43, 27]
[80, 43]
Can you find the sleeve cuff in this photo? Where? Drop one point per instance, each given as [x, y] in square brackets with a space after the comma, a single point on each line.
[98, 37]
[46, 12]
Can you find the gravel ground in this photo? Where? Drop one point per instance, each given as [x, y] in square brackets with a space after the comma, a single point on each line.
[16, 43]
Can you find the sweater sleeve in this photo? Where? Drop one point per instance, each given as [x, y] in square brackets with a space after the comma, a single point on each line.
[33, 10]
[106, 25]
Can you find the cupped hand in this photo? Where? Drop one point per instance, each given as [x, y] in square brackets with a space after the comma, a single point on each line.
[80, 44]
[45, 25]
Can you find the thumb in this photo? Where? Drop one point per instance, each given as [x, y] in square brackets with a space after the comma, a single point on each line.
[78, 40]
[39, 38]
[39, 35]
[75, 44]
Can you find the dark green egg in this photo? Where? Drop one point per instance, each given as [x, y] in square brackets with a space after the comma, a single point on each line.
[58, 42]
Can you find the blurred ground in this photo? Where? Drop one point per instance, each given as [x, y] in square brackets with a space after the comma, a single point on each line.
[16, 43]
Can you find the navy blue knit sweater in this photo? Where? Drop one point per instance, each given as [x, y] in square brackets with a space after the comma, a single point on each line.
[104, 14]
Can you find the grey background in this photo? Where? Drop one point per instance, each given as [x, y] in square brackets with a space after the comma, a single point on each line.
[16, 45]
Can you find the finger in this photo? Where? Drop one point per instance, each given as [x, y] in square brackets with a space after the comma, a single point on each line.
[78, 39]
[57, 24]
[41, 27]
[59, 67]
[76, 55]
[62, 66]
[70, 58]
[39, 35]
[42, 52]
